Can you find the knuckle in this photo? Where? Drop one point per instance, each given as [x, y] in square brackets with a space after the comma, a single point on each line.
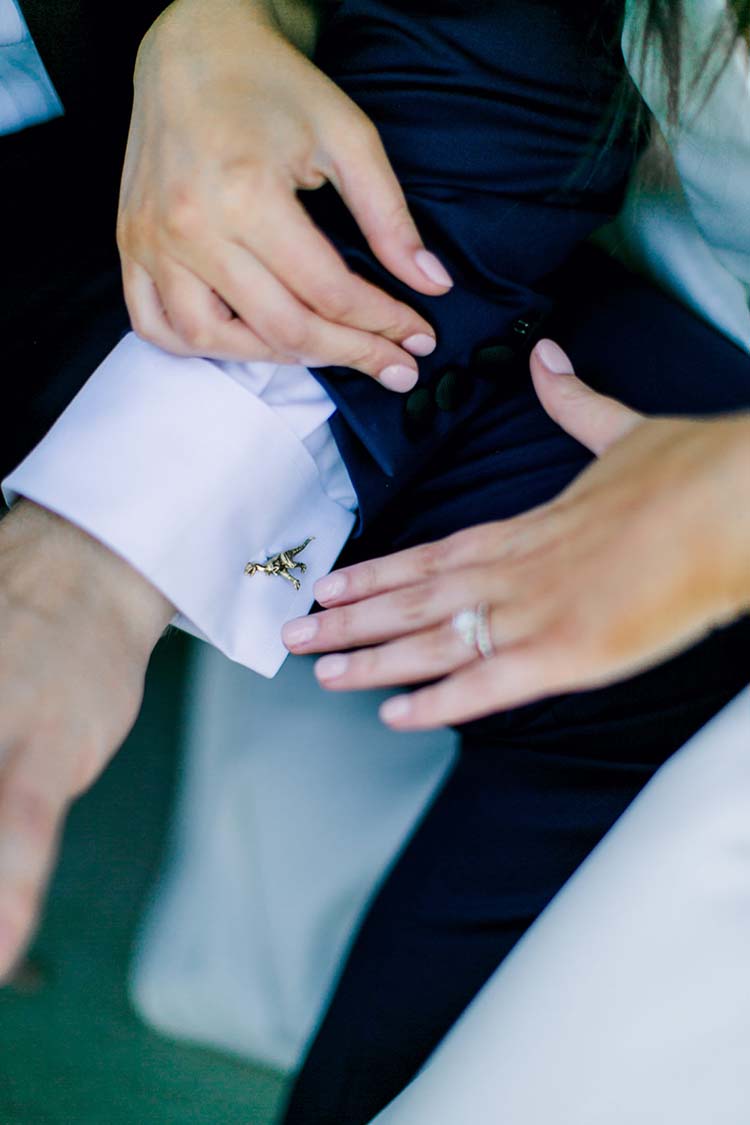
[343, 623]
[143, 325]
[362, 132]
[366, 579]
[336, 302]
[413, 604]
[441, 648]
[366, 665]
[198, 335]
[184, 218]
[292, 335]
[369, 355]
[433, 558]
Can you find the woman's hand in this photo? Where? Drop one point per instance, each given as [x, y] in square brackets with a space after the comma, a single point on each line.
[219, 257]
[647, 551]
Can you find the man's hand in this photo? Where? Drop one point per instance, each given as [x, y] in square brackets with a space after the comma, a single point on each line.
[220, 259]
[77, 626]
[644, 554]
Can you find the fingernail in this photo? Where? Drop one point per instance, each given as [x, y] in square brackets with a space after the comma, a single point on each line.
[299, 632]
[330, 587]
[421, 344]
[554, 358]
[398, 377]
[395, 709]
[433, 268]
[331, 667]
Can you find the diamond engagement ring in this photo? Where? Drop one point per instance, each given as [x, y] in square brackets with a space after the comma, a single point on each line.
[473, 627]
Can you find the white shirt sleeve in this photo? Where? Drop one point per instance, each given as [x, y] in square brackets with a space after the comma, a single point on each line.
[27, 96]
[189, 469]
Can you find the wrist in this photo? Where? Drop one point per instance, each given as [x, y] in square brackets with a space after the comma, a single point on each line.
[49, 561]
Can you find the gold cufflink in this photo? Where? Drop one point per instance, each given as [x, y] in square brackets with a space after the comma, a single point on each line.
[282, 564]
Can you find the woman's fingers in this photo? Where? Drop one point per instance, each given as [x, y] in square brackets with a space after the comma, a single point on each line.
[593, 419]
[146, 309]
[362, 174]
[204, 324]
[478, 545]
[515, 677]
[421, 656]
[294, 334]
[296, 252]
[405, 611]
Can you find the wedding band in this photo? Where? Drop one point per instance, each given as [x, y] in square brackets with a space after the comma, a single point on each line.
[473, 627]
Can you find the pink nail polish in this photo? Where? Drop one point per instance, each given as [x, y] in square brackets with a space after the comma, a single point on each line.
[299, 632]
[433, 268]
[330, 587]
[331, 667]
[554, 358]
[420, 344]
[395, 709]
[398, 377]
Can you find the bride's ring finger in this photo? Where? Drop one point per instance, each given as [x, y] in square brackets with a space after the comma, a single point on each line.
[427, 655]
[409, 660]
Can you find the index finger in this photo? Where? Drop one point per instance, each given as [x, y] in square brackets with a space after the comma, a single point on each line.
[291, 247]
[362, 174]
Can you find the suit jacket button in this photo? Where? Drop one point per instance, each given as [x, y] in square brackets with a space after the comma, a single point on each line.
[420, 409]
[492, 360]
[450, 391]
[529, 326]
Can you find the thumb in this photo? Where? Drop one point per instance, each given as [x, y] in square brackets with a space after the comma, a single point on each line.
[593, 419]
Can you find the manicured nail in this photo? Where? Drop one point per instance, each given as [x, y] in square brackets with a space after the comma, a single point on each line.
[398, 377]
[395, 709]
[433, 268]
[554, 358]
[421, 344]
[331, 667]
[330, 587]
[299, 632]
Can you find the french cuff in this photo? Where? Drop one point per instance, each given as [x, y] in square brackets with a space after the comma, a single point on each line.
[188, 478]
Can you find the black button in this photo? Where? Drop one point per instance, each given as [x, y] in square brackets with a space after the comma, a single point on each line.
[450, 390]
[420, 409]
[492, 360]
[529, 326]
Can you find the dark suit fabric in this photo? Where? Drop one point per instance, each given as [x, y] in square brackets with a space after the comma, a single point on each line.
[536, 788]
[61, 306]
[492, 115]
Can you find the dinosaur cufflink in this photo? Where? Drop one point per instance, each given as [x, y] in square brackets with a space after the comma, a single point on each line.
[282, 564]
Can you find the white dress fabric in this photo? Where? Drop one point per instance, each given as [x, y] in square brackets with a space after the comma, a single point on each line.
[289, 811]
[628, 1001]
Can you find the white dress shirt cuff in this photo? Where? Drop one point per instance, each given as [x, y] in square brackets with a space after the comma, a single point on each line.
[185, 473]
[27, 96]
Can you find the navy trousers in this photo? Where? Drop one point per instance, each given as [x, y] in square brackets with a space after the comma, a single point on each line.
[535, 789]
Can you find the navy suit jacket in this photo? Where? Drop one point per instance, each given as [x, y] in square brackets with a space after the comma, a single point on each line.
[494, 117]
